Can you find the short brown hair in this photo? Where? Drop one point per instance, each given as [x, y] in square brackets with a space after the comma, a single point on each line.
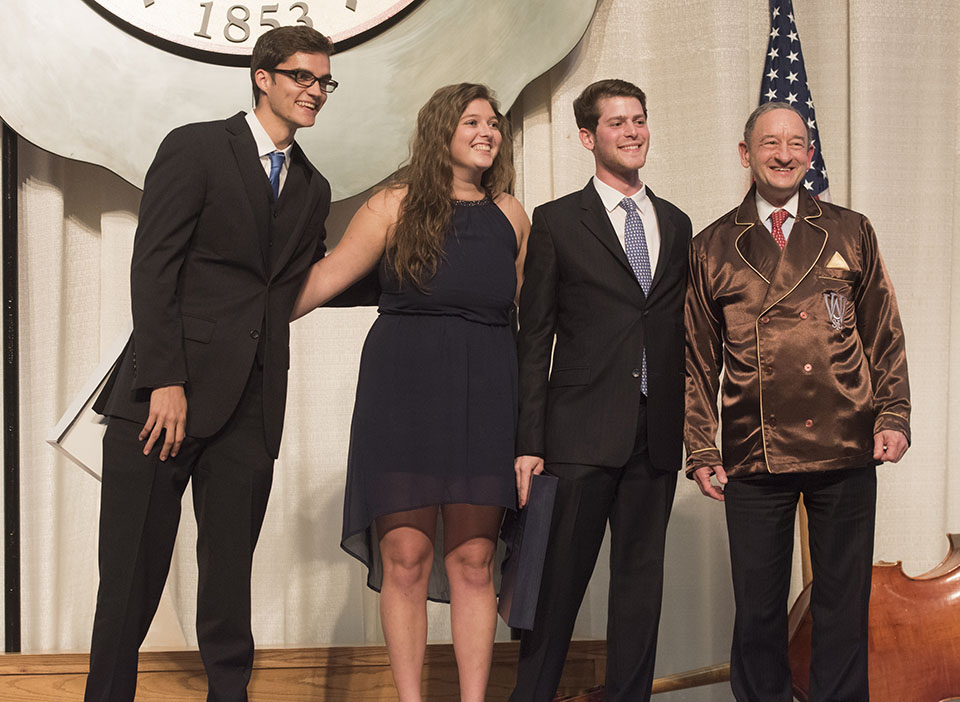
[277, 45]
[586, 108]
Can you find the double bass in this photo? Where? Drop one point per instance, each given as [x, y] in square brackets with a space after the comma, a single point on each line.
[914, 639]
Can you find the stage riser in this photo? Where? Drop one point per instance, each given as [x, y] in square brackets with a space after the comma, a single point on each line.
[339, 674]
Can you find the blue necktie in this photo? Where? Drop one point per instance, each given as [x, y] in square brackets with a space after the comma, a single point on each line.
[635, 243]
[276, 163]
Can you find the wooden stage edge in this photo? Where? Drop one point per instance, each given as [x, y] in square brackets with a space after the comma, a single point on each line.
[335, 674]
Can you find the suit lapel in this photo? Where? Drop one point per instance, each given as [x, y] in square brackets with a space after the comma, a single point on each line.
[255, 184]
[668, 238]
[755, 244]
[803, 250]
[300, 177]
[781, 270]
[594, 218]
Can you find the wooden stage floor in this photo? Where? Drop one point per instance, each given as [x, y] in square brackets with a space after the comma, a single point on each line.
[337, 674]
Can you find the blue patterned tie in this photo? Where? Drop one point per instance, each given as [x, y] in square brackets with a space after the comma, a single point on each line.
[276, 164]
[635, 243]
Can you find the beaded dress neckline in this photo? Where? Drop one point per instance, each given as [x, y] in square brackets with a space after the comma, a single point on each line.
[471, 203]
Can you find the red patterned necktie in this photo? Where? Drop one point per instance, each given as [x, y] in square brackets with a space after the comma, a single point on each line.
[778, 218]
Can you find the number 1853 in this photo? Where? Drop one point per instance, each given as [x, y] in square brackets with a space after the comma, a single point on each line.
[236, 28]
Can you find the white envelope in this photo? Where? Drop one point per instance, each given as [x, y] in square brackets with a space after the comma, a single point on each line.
[79, 433]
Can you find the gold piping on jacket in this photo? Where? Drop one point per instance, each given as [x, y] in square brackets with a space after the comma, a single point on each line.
[823, 245]
[756, 324]
[736, 245]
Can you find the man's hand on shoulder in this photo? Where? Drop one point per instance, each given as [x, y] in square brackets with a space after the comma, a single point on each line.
[168, 414]
[702, 476]
[526, 467]
[889, 445]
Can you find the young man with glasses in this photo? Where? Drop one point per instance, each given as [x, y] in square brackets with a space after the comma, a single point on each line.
[231, 218]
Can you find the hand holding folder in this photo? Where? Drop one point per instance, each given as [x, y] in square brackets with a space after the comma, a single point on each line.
[526, 534]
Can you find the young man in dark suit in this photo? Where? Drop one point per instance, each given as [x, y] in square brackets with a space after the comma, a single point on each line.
[231, 218]
[603, 409]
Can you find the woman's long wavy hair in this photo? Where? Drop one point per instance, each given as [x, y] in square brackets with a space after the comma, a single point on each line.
[415, 250]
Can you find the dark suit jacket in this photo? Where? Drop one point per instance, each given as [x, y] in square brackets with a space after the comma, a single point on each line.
[204, 292]
[579, 285]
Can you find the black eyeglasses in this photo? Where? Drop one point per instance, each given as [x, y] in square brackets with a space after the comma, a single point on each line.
[306, 79]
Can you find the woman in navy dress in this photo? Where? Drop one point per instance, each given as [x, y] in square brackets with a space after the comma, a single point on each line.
[430, 469]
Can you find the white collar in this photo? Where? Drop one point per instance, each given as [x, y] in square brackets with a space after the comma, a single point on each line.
[764, 208]
[611, 197]
[264, 143]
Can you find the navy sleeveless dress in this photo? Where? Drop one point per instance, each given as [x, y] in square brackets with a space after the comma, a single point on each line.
[436, 406]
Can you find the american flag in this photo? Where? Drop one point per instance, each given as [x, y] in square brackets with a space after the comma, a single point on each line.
[785, 80]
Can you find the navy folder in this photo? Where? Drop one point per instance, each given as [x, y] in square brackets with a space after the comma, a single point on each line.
[525, 534]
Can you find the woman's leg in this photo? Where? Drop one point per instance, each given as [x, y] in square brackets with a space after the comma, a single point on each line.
[470, 540]
[406, 547]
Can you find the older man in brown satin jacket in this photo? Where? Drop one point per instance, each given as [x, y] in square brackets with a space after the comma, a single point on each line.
[790, 297]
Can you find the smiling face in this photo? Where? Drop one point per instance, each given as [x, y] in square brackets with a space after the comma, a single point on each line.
[778, 154]
[476, 141]
[284, 106]
[620, 141]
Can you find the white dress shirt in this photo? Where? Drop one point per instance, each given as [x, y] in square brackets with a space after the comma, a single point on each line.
[765, 209]
[611, 198]
[265, 147]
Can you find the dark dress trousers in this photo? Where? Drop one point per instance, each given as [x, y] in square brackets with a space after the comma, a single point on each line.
[217, 265]
[615, 451]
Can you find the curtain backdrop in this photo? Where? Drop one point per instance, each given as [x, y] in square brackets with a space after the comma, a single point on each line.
[884, 76]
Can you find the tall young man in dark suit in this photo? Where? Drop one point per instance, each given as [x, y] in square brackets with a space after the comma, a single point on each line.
[605, 275]
[231, 218]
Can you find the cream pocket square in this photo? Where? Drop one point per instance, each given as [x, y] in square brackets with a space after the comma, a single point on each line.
[838, 262]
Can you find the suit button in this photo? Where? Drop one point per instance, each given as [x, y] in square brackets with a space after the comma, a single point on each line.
[254, 334]
[276, 214]
[808, 423]
[635, 372]
[803, 315]
[807, 367]
[764, 319]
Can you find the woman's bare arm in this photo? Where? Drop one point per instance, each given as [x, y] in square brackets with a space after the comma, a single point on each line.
[521, 226]
[357, 253]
